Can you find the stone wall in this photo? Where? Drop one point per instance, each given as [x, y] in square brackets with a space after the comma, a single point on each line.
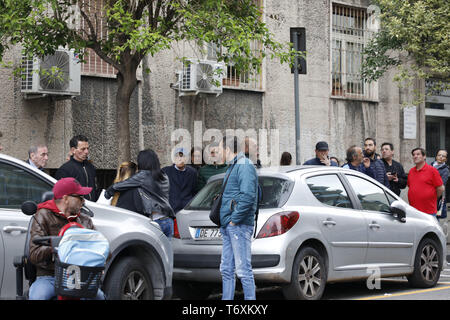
[157, 110]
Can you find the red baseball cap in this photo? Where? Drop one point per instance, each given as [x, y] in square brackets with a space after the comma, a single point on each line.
[67, 186]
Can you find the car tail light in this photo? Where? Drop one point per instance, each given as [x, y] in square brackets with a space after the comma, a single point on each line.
[176, 233]
[278, 224]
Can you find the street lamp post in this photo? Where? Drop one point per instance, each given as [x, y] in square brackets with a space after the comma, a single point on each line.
[297, 106]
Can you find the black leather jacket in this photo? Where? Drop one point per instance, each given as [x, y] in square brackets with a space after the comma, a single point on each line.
[154, 194]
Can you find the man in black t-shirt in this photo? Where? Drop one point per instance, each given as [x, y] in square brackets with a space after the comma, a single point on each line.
[394, 170]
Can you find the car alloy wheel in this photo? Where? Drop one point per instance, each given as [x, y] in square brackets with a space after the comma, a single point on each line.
[310, 276]
[129, 279]
[135, 287]
[429, 263]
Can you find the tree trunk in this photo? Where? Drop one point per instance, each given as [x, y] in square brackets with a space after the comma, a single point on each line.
[126, 84]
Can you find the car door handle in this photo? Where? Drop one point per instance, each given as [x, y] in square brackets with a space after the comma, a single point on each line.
[10, 229]
[374, 225]
[329, 222]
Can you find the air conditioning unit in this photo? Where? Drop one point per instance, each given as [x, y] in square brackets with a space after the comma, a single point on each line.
[56, 74]
[203, 76]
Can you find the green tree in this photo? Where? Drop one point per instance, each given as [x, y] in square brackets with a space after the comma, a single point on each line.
[418, 28]
[123, 32]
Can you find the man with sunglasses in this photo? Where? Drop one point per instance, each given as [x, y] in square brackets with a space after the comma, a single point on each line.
[52, 215]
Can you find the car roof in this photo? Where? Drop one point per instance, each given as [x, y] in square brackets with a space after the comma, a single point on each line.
[288, 171]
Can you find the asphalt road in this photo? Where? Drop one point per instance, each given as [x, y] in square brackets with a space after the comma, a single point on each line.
[389, 289]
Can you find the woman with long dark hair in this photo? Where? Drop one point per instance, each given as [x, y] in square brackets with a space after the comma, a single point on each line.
[147, 192]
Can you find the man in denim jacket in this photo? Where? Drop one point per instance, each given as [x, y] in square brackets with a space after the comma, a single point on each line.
[237, 215]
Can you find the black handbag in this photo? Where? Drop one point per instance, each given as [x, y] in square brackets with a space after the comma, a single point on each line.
[214, 213]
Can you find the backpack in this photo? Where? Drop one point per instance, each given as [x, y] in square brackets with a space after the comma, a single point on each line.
[83, 247]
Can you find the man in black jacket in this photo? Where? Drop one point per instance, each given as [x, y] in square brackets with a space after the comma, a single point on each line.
[183, 181]
[375, 163]
[79, 167]
[394, 170]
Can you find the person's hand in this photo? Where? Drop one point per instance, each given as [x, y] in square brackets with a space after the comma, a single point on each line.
[109, 193]
[390, 176]
[325, 161]
[395, 178]
[366, 162]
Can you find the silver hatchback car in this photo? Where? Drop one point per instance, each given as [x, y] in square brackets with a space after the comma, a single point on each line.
[316, 225]
[142, 256]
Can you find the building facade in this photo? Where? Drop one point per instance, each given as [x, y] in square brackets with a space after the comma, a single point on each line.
[335, 104]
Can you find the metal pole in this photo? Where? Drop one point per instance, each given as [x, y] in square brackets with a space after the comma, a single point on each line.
[297, 107]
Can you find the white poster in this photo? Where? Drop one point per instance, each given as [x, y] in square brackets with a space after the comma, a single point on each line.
[410, 122]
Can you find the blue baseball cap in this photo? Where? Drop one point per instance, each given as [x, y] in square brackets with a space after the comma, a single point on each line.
[180, 150]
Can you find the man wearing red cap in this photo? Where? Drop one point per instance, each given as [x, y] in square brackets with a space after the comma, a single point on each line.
[51, 216]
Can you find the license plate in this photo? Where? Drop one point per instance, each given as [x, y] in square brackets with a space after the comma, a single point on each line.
[207, 233]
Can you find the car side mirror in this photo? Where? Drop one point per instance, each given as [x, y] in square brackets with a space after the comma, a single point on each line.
[29, 208]
[398, 209]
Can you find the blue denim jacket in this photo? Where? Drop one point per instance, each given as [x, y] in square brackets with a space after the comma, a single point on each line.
[239, 197]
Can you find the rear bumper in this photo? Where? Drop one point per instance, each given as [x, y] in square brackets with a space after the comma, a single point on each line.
[199, 261]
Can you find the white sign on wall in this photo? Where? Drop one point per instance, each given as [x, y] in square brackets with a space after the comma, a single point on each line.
[410, 122]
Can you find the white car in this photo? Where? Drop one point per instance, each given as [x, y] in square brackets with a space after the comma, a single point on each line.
[142, 257]
[316, 225]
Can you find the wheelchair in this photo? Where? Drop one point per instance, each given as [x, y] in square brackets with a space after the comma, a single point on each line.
[24, 268]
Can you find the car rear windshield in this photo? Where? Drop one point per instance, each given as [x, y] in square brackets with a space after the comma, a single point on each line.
[274, 192]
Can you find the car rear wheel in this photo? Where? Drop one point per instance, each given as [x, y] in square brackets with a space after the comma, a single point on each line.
[427, 265]
[129, 280]
[309, 276]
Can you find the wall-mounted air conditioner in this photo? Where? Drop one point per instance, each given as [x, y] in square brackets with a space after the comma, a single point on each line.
[200, 76]
[56, 74]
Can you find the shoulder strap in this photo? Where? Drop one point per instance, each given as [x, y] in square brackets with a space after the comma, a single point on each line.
[226, 181]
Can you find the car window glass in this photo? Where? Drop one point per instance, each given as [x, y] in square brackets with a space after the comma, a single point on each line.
[18, 185]
[371, 196]
[329, 190]
[205, 197]
[274, 193]
[390, 198]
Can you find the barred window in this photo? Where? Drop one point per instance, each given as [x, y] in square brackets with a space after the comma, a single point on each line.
[249, 80]
[352, 28]
[94, 65]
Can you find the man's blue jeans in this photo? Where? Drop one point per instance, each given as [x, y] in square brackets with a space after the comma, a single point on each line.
[237, 259]
[44, 289]
[166, 225]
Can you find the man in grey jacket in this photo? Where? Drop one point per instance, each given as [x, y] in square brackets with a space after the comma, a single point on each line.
[237, 215]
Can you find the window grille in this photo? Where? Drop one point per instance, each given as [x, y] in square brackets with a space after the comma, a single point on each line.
[27, 73]
[352, 28]
[94, 65]
[249, 80]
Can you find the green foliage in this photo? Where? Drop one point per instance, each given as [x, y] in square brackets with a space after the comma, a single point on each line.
[420, 28]
[133, 29]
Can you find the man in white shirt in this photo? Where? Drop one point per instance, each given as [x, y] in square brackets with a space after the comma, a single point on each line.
[38, 156]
